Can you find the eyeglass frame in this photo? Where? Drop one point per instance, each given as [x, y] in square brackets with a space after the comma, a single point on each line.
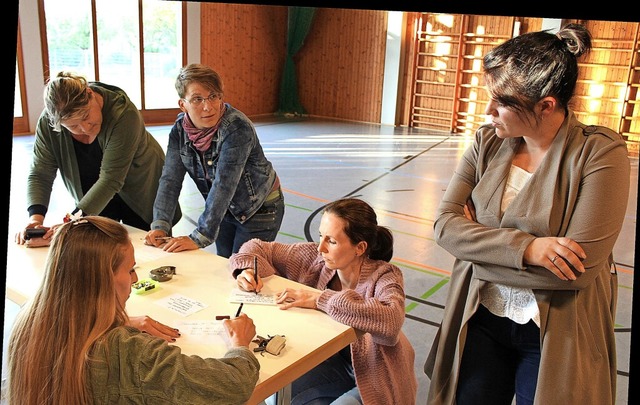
[200, 100]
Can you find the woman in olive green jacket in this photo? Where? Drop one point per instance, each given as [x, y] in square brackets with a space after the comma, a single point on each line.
[95, 138]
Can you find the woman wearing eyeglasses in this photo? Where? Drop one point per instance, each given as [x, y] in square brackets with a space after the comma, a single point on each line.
[218, 147]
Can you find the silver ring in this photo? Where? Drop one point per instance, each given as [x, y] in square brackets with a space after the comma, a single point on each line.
[554, 259]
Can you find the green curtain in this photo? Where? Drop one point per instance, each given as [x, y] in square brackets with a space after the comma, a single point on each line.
[300, 19]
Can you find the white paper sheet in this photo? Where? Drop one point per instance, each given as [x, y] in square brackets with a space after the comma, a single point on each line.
[250, 297]
[184, 306]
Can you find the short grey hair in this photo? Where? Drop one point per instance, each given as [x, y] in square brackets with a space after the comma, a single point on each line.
[64, 97]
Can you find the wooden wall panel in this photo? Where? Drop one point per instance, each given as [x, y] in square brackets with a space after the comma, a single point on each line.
[468, 38]
[606, 92]
[411, 22]
[246, 45]
[435, 70]
[482, 33]
[341, 64]
[604, 74]
[340, 67]
[530, 24]
[631, 122]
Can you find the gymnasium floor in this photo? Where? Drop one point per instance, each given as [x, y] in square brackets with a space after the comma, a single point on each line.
[401, 172]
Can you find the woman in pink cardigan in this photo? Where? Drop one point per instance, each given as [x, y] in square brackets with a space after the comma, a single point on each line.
[358, 287]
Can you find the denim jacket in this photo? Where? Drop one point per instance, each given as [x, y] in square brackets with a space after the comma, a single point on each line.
[241, 176]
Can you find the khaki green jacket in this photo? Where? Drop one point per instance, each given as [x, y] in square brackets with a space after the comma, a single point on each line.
[579, 191]
[131, 367]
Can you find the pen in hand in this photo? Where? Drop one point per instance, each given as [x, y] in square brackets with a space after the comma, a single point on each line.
[160, 238]
[222, 317]
[255, 272]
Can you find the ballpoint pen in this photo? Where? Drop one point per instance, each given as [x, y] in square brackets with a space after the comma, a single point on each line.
[161, 238]
[255, 272]
[239, 309]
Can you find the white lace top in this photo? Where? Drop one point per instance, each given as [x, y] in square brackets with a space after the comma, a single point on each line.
[517, 304]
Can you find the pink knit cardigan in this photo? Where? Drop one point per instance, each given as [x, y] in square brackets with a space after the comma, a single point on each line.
[383, 358]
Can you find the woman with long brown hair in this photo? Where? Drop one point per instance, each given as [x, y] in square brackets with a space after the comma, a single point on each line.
[71, 344]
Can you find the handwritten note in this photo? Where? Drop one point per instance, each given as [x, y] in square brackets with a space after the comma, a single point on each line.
[185, 306]
[200, 332]
[201, 328]
[249, 297]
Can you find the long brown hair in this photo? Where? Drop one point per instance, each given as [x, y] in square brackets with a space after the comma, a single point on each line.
[75, 305]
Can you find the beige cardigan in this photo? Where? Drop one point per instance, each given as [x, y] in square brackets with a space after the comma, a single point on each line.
[580, 191]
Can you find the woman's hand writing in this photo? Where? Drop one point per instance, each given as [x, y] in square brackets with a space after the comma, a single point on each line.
[156, 237]
[240, 330]
[160, 239]
[180, 244]
[247, 281]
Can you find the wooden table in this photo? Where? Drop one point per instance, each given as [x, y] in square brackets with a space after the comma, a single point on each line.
[312, 336]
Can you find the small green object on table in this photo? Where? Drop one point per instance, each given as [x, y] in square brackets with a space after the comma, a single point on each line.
[144, 286]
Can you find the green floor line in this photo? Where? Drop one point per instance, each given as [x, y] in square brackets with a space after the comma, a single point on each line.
[292, 236]
[427, 294]
[395, 231]
[420, 269]
[298, 207]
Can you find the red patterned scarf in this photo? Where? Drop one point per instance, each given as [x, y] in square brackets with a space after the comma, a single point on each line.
[201, 138]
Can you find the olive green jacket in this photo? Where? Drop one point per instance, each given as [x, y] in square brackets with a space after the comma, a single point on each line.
[131, 164]
[580, 191]
[131, 367]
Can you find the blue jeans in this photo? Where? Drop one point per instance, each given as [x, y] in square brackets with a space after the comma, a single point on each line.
[326, 382]
[264, 224]
[500, 358]
[351, 397]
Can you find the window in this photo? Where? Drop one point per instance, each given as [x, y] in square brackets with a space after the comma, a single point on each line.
[104, 43]
[20, 119]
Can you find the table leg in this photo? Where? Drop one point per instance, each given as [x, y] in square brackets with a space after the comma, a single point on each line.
[283, 396]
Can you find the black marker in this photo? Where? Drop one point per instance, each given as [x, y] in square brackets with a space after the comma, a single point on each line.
[255, 272]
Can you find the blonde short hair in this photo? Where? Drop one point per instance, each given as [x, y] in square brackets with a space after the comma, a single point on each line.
[198, 73]
[65, 97]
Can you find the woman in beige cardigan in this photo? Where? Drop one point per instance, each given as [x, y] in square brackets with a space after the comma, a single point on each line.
[532, 214]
